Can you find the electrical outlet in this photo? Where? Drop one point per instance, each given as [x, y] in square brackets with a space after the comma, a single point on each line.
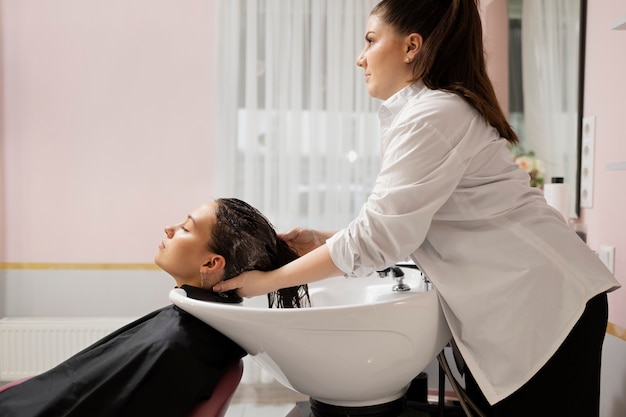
[607, 256]
[586, 161]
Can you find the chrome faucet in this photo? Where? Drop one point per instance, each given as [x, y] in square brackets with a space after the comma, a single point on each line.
[398, 275]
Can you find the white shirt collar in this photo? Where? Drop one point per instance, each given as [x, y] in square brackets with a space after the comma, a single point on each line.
[392, 106]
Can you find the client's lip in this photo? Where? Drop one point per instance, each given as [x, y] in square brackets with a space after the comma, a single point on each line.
[162, 245]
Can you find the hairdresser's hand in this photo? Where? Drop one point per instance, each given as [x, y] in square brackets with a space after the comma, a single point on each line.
[248, 284]
[304, 241]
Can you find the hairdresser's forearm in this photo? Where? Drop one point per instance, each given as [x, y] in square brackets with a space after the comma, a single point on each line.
[314, 266]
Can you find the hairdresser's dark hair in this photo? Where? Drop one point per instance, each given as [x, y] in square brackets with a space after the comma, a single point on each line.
[452, 56]
[248, 241]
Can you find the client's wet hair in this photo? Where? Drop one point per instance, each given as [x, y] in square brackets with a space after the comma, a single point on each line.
[248, 241]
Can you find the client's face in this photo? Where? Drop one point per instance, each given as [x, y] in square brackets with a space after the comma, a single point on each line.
[184, 250]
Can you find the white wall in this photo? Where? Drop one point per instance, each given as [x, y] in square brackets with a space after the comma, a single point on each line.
[85, 293]
[613, 383]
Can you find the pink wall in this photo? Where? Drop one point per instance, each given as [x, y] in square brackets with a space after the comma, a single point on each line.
[605, 92]
[495, 19]
[106, 125]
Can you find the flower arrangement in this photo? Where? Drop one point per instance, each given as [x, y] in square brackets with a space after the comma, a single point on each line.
[529, 162]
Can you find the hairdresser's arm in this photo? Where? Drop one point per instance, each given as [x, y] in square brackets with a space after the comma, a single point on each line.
[304, 241]
[314, 266]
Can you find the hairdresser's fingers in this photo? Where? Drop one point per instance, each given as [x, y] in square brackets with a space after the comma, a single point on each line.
[229, 285]
[290, 235]
[292, 238]
[301, 240]
[248, 284]
[251, 286]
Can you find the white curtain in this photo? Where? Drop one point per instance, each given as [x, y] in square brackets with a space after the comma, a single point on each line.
[550, 49]
[298, 134]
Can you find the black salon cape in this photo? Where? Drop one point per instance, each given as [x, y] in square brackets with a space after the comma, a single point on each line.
[160, 365]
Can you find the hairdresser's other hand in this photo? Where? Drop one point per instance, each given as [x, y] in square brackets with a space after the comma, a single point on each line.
[249, 284]
[304, 241]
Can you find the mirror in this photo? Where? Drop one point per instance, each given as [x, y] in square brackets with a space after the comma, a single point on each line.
[546, 83]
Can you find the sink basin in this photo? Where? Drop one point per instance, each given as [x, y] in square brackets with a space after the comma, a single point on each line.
[359, 344]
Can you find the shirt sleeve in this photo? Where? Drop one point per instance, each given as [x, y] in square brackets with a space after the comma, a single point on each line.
[423, 161]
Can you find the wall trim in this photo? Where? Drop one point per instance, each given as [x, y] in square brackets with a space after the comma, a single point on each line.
[611, 328]
[617, 331]
[76, 266]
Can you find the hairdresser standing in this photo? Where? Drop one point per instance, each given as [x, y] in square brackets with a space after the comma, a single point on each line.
[524, 297]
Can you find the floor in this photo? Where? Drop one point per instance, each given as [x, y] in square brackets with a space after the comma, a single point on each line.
[274, 400]
[263, 400]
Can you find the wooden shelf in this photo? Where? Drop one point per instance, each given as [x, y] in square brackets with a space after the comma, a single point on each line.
[619, 24]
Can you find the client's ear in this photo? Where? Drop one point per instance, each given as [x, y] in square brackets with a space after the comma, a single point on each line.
[215, 263]
[212, 271]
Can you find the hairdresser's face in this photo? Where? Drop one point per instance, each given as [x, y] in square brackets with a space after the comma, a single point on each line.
[183, 251]
[383, 59]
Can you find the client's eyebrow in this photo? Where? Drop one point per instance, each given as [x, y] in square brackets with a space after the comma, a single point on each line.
[192, 219]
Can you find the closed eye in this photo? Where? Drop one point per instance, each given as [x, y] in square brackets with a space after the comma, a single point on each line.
[189, 218]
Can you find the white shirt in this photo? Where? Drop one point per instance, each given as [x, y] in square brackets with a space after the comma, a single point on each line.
[512, 278]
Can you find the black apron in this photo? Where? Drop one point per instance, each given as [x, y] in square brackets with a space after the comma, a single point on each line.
[163, 364]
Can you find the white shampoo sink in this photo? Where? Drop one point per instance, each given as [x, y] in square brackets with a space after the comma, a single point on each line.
[359, 344]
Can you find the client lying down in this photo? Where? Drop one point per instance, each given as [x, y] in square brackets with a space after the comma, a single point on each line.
[168, 361]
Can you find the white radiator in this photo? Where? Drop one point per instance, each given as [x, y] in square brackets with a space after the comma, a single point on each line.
[32, 345]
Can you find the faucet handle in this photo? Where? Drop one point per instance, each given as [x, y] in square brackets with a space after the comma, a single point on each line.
[398, 275]
[384, 273]
[397, 272]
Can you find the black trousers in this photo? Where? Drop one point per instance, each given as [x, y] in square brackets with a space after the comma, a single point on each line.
[568, 385]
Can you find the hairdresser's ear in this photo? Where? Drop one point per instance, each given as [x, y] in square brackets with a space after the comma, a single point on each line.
[413, 45]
